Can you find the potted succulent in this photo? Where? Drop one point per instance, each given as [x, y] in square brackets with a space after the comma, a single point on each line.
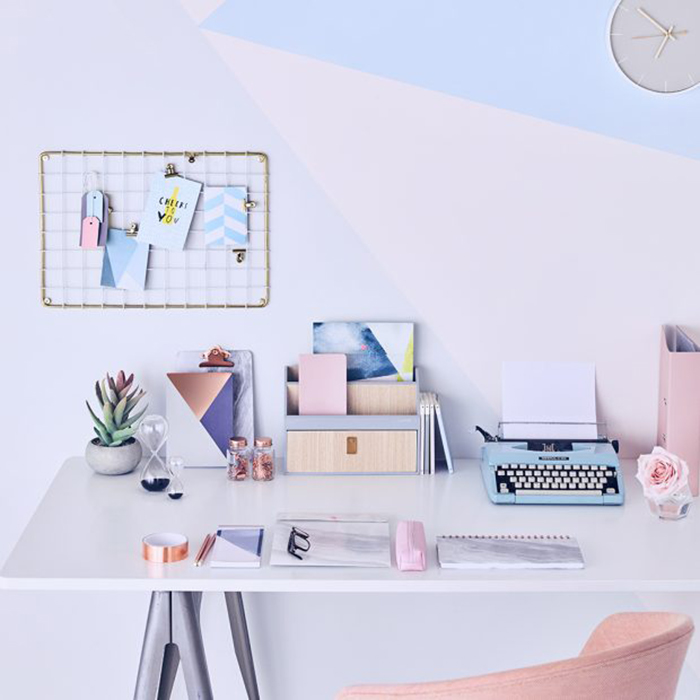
[115, 450]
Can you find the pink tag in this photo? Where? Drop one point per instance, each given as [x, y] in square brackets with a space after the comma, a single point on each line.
[89, 232]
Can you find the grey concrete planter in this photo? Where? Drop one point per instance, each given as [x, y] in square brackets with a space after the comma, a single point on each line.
[113, 460]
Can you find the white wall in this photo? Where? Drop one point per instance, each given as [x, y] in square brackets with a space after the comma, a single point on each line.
[515, 196]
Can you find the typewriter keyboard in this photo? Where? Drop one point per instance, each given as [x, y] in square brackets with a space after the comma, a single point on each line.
[556, 479]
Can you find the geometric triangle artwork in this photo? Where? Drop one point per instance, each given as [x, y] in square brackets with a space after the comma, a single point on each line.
[187, 437]
[218, 419]
[200, 389]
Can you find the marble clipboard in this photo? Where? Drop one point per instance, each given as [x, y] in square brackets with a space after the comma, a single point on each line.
[243, 421]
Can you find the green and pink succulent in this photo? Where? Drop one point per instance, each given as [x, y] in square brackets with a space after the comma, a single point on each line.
[117, 401]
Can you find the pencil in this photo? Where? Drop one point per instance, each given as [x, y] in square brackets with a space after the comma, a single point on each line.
[204, 549]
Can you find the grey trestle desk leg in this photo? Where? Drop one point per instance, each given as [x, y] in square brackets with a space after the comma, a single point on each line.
[241, 642]
[172, 635]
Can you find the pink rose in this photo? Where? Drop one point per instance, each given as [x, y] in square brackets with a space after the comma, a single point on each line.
[661, 474]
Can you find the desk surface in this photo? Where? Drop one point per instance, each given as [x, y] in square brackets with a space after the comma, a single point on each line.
[86, 535]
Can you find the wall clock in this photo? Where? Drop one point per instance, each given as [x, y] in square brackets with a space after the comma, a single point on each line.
[656, 43]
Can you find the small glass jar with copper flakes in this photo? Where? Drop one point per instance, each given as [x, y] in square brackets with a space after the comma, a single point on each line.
[263, 459]
[238, 459]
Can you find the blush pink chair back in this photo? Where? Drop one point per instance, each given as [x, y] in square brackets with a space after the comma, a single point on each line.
[629, 656]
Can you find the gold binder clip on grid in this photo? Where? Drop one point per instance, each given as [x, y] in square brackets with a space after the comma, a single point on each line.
[133, 230]
[170, 170]
[239, 253]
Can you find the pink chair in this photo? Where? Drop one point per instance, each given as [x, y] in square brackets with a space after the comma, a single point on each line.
[629, 656]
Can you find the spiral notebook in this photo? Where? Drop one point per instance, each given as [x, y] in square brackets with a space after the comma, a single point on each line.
[509, 552]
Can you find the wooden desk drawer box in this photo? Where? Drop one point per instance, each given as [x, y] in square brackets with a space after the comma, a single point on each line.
[379, 435]
[351, 452]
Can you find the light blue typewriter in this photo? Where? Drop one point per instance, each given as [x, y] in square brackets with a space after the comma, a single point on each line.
[577, 472]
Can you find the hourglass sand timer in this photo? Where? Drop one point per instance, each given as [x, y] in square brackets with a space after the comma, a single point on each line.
[176, 489]
[153, 433]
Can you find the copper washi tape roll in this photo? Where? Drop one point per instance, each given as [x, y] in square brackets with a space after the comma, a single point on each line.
[164, 547]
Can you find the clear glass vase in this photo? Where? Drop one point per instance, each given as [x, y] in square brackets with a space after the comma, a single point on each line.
[674, 507]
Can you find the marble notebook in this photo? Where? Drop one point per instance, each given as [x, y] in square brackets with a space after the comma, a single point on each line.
[509, 552]
[335, 542]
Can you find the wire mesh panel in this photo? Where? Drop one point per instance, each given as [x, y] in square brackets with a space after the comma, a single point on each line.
[194, 278]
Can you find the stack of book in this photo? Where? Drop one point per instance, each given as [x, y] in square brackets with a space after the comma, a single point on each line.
[433, 447]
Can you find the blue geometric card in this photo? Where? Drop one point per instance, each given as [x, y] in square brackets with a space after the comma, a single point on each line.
[125, 261]
[225, 216]
[169, 210]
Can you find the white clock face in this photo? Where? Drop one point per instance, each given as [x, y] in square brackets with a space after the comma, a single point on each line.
[656, 43]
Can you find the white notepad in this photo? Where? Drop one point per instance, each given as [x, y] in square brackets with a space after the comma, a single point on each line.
[509, 552]
[237, 546]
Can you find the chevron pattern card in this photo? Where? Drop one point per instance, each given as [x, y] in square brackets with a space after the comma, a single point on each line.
[169, 210]
[125, 261]
[225, 216]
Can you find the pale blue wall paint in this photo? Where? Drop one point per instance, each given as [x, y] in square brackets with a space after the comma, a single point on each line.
[546, 58]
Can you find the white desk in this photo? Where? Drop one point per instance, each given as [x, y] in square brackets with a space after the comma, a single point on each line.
[86, 535]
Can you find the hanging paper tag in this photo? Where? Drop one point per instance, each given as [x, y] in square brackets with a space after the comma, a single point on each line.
[89, 232]
[94, 204]
[94, 208]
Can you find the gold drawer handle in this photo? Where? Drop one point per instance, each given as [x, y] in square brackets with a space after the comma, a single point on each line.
[351, 446]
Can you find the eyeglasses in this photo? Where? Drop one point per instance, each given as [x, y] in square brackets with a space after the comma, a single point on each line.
[298, 542]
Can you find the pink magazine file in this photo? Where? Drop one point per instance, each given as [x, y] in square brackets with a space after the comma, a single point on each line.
[323, 385]
[410, 546]
[679, 402]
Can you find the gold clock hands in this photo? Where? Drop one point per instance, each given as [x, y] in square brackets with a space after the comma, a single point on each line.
[660, 36]
[646, 15]
[669, 34]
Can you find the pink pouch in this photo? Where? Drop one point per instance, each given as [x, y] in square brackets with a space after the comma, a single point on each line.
[410, 546]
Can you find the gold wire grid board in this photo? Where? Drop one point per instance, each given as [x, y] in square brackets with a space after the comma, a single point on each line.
[198, 277]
